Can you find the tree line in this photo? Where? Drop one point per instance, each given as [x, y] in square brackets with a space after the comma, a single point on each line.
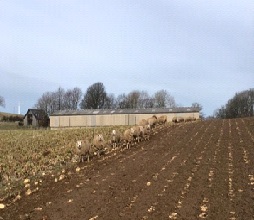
[241, 105]
[96, 97]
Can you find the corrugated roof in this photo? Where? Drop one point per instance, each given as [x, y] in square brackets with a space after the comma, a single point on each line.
[125, 111]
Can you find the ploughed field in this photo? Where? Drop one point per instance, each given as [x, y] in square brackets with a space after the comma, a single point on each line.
[200, 170]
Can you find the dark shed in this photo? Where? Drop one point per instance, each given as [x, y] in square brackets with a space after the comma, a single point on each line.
[36, 118]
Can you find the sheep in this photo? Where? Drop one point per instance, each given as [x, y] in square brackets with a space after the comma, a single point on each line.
[162, 119]
[174, 119]
[146, 132]
[190, 118]
[135, 132]
[177, 119]
[180, 119]
[127, 138]
[143, 122]
[152, 121]
[141, 135]
[83, 149]
[98, 144]
[115, 138]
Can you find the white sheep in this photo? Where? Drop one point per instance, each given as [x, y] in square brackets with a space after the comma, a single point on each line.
[147, 132]
[143, 122]
[162, 119]
[190, 118]
[152, 121]
[127, 138]
[98, 144]
[177, 119]
[83, 149]
[142, 132]
[115, 138]
[135, 132]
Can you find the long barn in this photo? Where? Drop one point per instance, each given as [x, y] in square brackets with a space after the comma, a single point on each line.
[108, 117]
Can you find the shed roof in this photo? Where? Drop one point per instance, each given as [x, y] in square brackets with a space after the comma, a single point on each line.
[125, 111]
[38, 113]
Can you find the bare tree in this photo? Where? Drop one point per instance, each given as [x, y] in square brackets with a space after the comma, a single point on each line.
[71, 98]
[145, 101]
[241, 105]
[48, 102]
[196, 105]
[2, 101]
[200, 108]
[121, 101]
[94, 97]
[60, 98]
[163, 99]
[141, 99]
[133, 99]
[110, 102]
[220, 113]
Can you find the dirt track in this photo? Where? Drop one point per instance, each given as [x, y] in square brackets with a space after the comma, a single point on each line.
[201, 170]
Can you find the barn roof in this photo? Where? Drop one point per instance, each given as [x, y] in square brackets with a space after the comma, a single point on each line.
[125, 111]
[38, 113]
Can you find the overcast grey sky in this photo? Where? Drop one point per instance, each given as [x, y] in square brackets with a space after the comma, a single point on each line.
[199, 51]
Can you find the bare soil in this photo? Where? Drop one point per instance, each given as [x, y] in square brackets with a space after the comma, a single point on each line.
[201, 170]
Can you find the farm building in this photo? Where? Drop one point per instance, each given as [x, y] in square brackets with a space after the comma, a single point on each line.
[36, 118]
[109, 117]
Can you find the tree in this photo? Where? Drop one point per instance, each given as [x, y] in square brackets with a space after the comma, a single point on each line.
[133, 99]
[59, 100]
[241, 105]
[220, 113]
[121, 101]
[163, 99]
[71, 98]
[94, 97]
[145, 101]
[47, 102]
[199, 107]
[2, 101]
[110, 102]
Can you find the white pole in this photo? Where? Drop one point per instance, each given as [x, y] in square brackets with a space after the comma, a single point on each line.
[19, 108]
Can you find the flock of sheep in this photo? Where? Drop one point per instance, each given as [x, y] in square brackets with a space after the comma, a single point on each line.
[141, 132]
[86, 148]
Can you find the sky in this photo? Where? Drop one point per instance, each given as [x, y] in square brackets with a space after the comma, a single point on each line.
[199, 51]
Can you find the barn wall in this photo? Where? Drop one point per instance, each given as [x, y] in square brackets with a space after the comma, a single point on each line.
[72, 121]
[34, 122]
[25, 121]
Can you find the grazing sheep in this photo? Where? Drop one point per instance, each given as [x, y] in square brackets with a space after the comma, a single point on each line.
[180, 119]
[174, 119]
[83, 149]
[141, 135]
[146, 132]
[127, 138]
[177, 119]
[135, 132]
[162, 119]
[98, 144]
[190, 118]
[143, 122]
[152, 121]
[115, 138]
